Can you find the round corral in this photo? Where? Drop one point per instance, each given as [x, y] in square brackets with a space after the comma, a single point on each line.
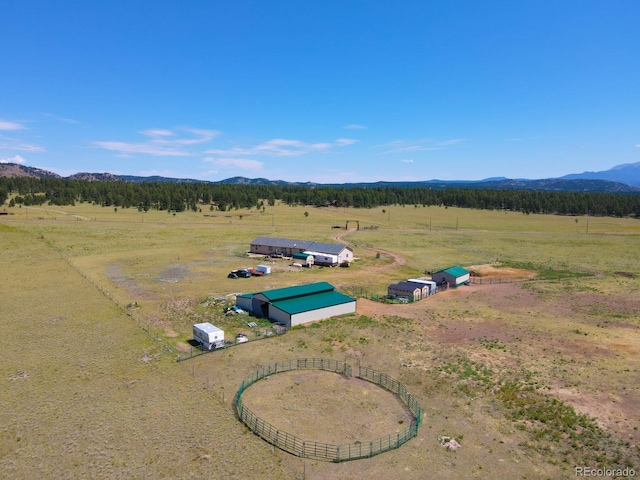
[316, 408]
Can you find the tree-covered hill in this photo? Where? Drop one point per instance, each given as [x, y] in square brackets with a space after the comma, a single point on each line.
[198, 195]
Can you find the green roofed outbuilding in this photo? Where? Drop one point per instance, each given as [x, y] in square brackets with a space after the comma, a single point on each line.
[299, 304]
[454, 276]
[305, 259]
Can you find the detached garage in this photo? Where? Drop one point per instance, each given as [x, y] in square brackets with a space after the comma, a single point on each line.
[454, 276]
[297, 305]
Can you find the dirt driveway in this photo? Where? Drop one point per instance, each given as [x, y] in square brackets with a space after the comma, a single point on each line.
[397, 259]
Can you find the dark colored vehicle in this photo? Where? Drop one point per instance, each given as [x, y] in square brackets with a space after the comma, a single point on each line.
[239, 274]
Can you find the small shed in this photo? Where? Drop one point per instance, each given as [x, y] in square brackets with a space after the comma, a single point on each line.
[412, 291]
[424, 288]
[454, 276]
[430, 283]
[304, 258]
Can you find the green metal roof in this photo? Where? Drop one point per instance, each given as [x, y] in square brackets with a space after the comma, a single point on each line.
[280, 294]
[455, 271]
[312, 302]
[301, 256]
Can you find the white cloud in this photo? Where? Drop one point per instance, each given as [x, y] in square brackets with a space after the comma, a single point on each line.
[241, 163]
[282, 147]
[355, 126]
[201, 136]
[145, 148]
[61, 119]
[157, 133]
[453, 141]
[232, 152]
[420, 145]
[157, 173]
[161, 142]
[15, 144]
[343, 142]
[14, 159]
[413, 148]
[407, 160]
[5, 125]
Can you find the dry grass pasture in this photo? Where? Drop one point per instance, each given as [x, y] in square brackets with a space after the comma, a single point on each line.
[533, 378]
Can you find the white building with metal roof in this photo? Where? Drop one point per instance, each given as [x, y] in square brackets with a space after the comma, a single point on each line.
[297, 305]
[287, 247]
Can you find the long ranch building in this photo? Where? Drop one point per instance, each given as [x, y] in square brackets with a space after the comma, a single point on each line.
[335, 253]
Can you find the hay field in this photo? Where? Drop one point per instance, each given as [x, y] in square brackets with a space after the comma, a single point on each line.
[97, 304]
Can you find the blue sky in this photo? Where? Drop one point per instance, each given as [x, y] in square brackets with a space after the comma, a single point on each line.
[321, 90]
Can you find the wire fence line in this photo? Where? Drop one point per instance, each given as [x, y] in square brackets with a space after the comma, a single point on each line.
[199, 350]
[140, 321]
[490, 281]
[323, 451]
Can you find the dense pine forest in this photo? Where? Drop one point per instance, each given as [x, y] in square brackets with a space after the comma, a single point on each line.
[178, 197]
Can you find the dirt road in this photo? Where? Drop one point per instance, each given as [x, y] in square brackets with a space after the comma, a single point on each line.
[397, 259]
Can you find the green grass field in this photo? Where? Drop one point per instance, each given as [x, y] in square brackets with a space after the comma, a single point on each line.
[533, 379]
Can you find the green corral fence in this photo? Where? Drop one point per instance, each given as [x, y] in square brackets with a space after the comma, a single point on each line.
[323, 451]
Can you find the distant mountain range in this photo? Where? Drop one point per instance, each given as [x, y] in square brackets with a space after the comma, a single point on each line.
[619, 179]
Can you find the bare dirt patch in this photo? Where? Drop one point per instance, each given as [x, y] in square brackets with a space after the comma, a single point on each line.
[585, 342]
[498, 271]
[173, 274]
[327, 407]
[116, 274]
[626, 274]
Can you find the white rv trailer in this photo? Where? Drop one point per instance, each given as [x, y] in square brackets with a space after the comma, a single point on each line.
[323, 259]
[209, 336]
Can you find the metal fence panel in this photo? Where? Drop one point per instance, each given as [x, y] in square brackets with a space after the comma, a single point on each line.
[323, 451]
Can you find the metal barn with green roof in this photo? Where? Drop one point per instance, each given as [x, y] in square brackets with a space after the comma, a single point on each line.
[454, 276]
[297, 305]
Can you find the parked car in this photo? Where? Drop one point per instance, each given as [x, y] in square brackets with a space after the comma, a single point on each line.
[239, 274]
[241, 338]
